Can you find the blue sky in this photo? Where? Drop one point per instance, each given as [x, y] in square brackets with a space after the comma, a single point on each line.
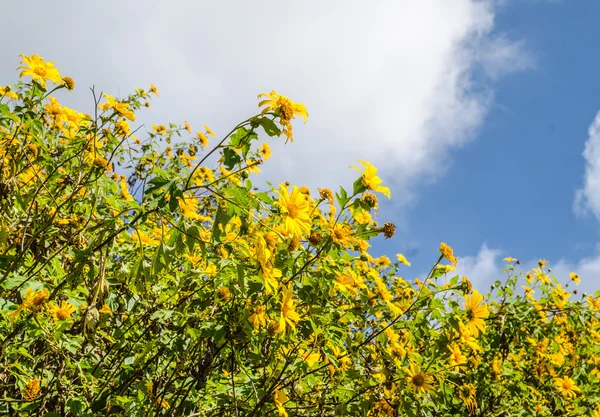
[513, 187]
[476, 112]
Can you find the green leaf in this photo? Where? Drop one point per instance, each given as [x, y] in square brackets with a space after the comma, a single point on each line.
[231, 158]
[270, 127]
[358, 186]
[342, 197]
[13, 281]
[220, 218]
[264, 197]
[76, 406]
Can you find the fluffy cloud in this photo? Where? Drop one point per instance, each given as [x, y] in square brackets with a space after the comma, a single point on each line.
[483, 269]
[390, 81]
[587, 199]
[488, 266]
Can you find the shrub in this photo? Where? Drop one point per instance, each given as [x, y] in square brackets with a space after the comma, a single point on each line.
[150, 277]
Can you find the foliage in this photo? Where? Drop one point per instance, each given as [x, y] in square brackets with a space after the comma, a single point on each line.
[152, 278]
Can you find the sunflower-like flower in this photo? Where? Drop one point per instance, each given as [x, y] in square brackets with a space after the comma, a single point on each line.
[39, 70]
[33, 301]
[284, 108]
[476, 312]
[402, 259]
[448, 253]
[279, 398]
[370, 179]
[468, 394]
[122, 109]
[289, 315]
[566, 386]
[61, 312]
[419, 381]
[295, 209]
[32, 389]
[258, 317]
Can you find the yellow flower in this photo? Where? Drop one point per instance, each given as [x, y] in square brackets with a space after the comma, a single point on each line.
[202, 138]
[286, 109]
[566, 386]
[154, 89]
[593, 302]
[100, 162]
[476, 312]
[122, 109]
[159, 129]
[467, 338]
[383, 262]
[194, 259]
[265, 151]
[509, 259]
[208, 131]
[61, 312]
[539, 274]
[371, 180]
[32, 389]
[33, 300]
[310, 358]
[187, 127]
[279, 398]
[326, 194]
[144, 239]
[289, 316]
[39, 70]
[362, 216]
[105, 310]
[420, 382]
[402, 259]
[69, 83]
[270, 276]
[346, 283]
[125, 191]
[258, 317]
[189, 207]
[295, 210]
[445, 268]
[574, 277]
[211, 269]
[560, 296]
[6, 92]
[341, 234]
[448, 253]
[122, 128]
[468, 393]
[456, 357]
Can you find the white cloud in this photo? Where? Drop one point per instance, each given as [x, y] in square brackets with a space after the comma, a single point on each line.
[588, 270]
[488, 266]
[390, 81]
[483, 269]
[587, 199]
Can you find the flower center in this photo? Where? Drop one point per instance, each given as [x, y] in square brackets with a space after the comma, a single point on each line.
[41, 71]
[292, 209]
[418, 380]
[286, 112]
[62, 314]
[39, 299]
[339, 234]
